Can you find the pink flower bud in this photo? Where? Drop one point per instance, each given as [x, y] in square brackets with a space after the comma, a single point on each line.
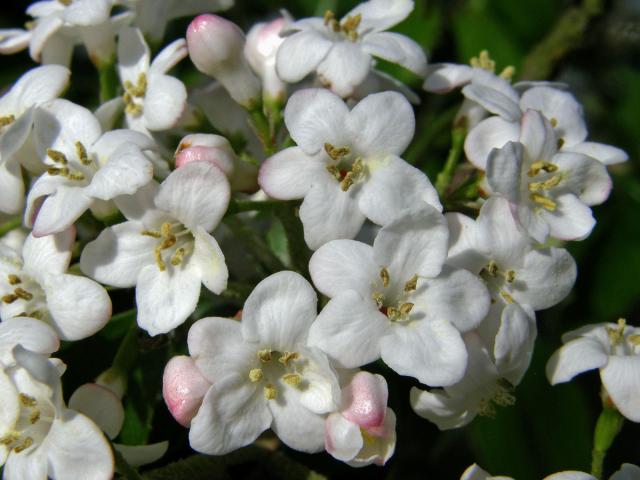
[263, 41]
[183, 388]
[216, 49]
[365, 400]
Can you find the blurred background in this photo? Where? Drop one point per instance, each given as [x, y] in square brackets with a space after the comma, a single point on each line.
[549, 428]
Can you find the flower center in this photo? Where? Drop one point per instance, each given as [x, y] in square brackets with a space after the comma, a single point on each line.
[78, 169]
[496, 279]
[348, 27]
[400, 309]
[484, 61]
[30, 428]
[545, 179]
[6, 120]
[501, 395]
[24, 295]
[278, 370]
[622, 342]
[134, 94]
[343, 168]
[174, 246]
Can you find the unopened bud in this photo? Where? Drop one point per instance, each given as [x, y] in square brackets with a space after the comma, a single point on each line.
[216, 49]
[263, 41]
[183, 388]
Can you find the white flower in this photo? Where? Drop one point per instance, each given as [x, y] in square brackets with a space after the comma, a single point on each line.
[85, 168]
[346, 165]
[164, 249]
[495, 248]
[262, 373]
[153, 101]
[263, 42]
[364, 430]
[341, 52]
[612, 348]
[550, 191]
[30, 333]
[397, 302]
[34, 283]
[494, 368]
[40, 437]
[627, 472]
[35, 87]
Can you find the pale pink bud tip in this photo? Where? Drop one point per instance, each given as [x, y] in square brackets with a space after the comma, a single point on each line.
[365, 400]
[213, 42]
[183, 388]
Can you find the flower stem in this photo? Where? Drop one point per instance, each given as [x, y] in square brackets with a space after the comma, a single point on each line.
[239, 206]
[444, 178]
[262, 128]
[108, 81]
[299, 253]
[607, 428]
[258, 248]
[9, 225]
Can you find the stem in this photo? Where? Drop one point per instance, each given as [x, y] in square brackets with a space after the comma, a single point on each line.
[123, 467]
[446, 175]
[607, 428]
[566, 35]
[298, 251]
[9, 225]
[239, 206]
[257, 246]
[108, 81]
[261, 125]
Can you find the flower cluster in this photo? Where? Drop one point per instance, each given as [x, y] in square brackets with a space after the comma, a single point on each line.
[305, 126]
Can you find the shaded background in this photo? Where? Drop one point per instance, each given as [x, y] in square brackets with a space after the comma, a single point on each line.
[550, 428]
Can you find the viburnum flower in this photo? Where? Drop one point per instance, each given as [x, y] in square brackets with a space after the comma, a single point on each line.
[263, 42]
[84, 167]
[262, 373]
[396, 301]
[612, 348]
[34, 283]
[164, 248]
[496, 248]
[153, 101]
[494, 368]
[40, 437]
[346, 166]
[35, 87]
[363, 431]
[627, 472]
[32, 334]
[550, 191]
[341, 52]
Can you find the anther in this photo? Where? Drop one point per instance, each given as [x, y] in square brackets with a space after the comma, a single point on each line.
[378, 298]
[292, 379]
[57, 156]
[546, 185]
[544, 202]
[411, 285]
[34, 417]
[384, 275]
[484, 61]
[346, 182]
[336, 153]
[554, 122]
[82, 154]
[27, 400]
[541, 165]
[492, 268]
[406, 308]
[14, 279]
[151, 233]
[288, 356]
[264, 355]
[64, 171]
[159, 261]
[7, 120]
[508, 72]
[177, 257]
[507, 297]
[255, 375]
[23, 294]
[26, 443]
[9, 298]
[270, 392]
[510, 276]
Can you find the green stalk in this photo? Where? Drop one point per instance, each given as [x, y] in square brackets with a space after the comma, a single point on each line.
[108, 81]
[263, 130]
[239, 206]
[258, 248]
[9, 225]
[607, 428]
[444, 178]
[299, 253]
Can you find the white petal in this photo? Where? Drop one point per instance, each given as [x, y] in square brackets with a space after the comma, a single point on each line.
[437, 407]
[166, 299]
[314, 117]
[430, 350]
[109, 113]
[394, 186]
[572, 219]
[139, 455]
[621, 378]
[474, 472]
[209, 260]
[10, 412]
[396, 48]
[575, 357]
[343, 265]
[503, 170]
[537, 136]
[379, 15]
[344, 68]
[289, 174]
[79, 307]
[12, 188]
[444, 77]
[101, 405]
[113, 140]
[13, 40]
[32, 334]
[300, 54]
[33, 466]
[42, 34]
[87, 12]
[463, 251]
[15, 137]
[514, 343]
[584, 176]
[164, 103]
[606, 154]
[381, 124]
[133, 55]
[626, 472]
[60, 210]
[118, 254]
[343, 439]
[494, 132]
[320, 392]
[349, 329]
[169, 56]
[50, 254]
[493, 93]
[279, 312]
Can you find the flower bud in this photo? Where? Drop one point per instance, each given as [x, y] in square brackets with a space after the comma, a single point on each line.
[183, 388]
[263, 41]
[216, 49]
[365, 400]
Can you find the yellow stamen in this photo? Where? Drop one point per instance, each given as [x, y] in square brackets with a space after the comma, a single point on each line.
[288, 356]
[634, 339]
[159, 261]
[510, 276]
[484, 61]
[64, 171]
[411, 285]
[82, 154]
[508, 73]
[378, 298]
[393, 313]
[406, 308]
[554, 122]
[14, 279]
[541, 165]
[27, 400]
[384, 275]
[508, 298]
[9, 298]
[27, 442]
[7, 120]
[333, 170]
[346, 182]
[544, 202]
[151, 233]
[492, 268]
[255, 375]
[177, 257]
[270, 392]
[336, 153]
[10, 438]
[34, 417]
[546, 185]
[23, 294]
[292, 379]
[264, 355]
[57, 156]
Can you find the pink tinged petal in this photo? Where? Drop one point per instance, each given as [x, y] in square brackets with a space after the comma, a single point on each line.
[349, 330]
[50, 254]
[289, 174]
[169, 56]
[315, 117]
[379, 15]
[344, 68]
[514, 343]
[279, 312]
[183, 388]
[118, 255]
[300, 54]
[139, 455]
[364, 400]
[537, 136]
[12, 188]
[430, 350]
[584, 176]
[504, 170]
[621, 378]
[164, 103]
[79, 307]
[494, 132]
[343, 439]
[197, 194]
[13, 40]
[495, 94]
[209, 260]
[392, 187]
[32, 334]
[545, 279]
[60, 210]
[101, 405]
[606, 154]
[383, 445]
[414, 243]
[233, 414]
[575, 357]
[133, 55]
[559, 107]
[572, 219]
[327, 213]
[444, 77]
[396, 48]
[439, 408]
[343, 265]
[87, 12]
[76, 448]
[166, 299]
[381, 124]
[455, 295]
[43, 32]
